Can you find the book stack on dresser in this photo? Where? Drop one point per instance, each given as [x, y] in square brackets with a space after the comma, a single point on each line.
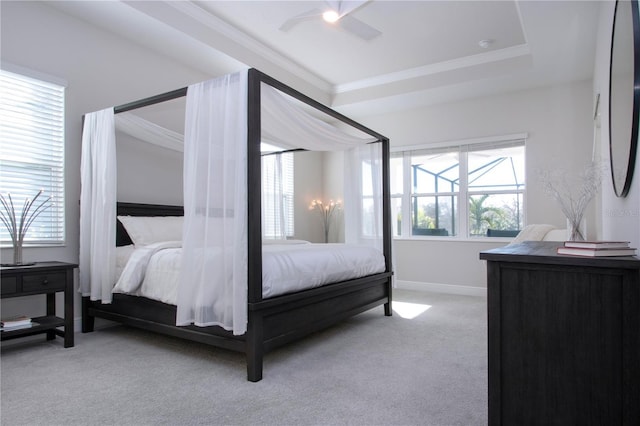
[597, 248]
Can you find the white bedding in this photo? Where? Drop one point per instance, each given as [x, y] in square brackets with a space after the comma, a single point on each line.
[153, 271]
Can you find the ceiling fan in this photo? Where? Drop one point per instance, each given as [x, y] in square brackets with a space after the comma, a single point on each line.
[337, 13]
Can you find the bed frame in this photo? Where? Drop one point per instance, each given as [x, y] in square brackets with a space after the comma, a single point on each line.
[275, 321]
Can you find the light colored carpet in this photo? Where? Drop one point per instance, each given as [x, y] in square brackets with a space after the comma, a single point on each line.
[368, 370]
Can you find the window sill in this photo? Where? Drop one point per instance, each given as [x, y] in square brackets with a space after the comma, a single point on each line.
[30, 246]
[484, 240]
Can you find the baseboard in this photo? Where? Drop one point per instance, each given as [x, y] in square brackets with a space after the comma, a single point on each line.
[442, 288]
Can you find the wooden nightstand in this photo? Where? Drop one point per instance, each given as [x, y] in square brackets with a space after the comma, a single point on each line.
[42, 278]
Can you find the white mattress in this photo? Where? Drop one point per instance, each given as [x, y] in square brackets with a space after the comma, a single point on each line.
[154, 271]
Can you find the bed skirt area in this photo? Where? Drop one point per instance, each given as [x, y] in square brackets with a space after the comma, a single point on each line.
[272, 322]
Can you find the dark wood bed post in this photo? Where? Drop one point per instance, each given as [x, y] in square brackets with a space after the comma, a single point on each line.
[386, 220]
[254, 340]
[87, 320]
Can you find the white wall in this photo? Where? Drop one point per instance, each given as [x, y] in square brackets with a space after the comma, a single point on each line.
[101, 70]
[318, 175]
[148, 173]
[308, 186]
[334, 190]
[620, 217]
[558, 121]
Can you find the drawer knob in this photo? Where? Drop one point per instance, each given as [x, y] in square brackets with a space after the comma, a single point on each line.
[45, 282]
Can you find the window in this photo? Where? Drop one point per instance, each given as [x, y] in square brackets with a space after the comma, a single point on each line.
[467, 190]
[32, 152]
[277, 195]
[368, 222]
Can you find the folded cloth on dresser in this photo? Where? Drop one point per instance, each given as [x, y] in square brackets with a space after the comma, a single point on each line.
[153, 271]
[534, 232]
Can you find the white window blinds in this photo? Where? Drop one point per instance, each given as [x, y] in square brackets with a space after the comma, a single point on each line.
[277, 196]
[32, 152]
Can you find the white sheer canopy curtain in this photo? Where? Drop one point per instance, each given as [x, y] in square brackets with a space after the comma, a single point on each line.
[363, 196]
[286, 124]
[149, 132]
[213, 288]
[98, 206]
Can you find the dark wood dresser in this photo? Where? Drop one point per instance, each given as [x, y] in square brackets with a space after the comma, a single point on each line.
[564, 337]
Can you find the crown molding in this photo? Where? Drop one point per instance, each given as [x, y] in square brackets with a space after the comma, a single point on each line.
[266, 55]
[440, 67]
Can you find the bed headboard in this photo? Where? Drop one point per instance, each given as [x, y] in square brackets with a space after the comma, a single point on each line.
[135, 209]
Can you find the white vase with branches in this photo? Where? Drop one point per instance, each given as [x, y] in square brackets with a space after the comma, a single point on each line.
[573, 193]
[18, 222]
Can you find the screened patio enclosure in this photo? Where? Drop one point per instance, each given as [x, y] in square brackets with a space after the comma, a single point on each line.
[490, 181]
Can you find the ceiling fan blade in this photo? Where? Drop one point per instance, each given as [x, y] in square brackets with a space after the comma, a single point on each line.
[358, 28]
[291, 22]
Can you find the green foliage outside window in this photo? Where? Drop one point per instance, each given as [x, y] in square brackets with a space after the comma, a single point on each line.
[483, 217]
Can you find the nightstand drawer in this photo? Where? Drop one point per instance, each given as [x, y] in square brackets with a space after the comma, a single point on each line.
[44, 282]
[9, 285]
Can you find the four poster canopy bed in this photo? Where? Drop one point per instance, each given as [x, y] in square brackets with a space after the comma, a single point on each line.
[225, 291]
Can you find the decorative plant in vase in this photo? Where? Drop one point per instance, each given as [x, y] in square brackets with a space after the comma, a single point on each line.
[18, 222]
[326, 213]
[573, 193]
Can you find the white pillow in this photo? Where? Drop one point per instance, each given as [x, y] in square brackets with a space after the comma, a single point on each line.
[145, 230]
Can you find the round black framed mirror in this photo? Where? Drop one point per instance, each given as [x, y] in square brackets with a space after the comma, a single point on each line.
[624, 94]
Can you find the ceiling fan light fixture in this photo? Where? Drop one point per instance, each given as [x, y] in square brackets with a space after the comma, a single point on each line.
[330, 16]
